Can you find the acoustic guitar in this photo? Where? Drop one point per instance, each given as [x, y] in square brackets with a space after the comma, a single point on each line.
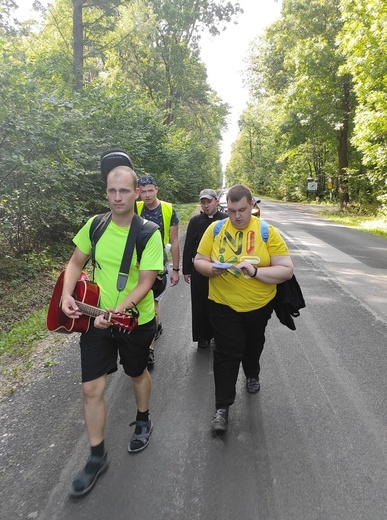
[86, 295]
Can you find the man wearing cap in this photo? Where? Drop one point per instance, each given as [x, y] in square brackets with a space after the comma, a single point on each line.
[201, 327]
[165, 216]
[101, 344]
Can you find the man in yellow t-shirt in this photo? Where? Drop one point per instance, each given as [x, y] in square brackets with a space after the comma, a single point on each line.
[243, 272]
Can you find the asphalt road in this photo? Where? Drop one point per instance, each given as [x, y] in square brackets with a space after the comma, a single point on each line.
[311, 445]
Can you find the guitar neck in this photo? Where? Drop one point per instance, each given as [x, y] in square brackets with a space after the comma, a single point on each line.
[89, 310]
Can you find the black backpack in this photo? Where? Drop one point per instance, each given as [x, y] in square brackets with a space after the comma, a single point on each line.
[101, 222]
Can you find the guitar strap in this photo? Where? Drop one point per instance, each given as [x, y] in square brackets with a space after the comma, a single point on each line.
[128, 252]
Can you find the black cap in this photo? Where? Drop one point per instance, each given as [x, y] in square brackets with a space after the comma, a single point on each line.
[112, 158]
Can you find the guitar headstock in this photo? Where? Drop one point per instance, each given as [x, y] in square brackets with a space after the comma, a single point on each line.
[124, 321]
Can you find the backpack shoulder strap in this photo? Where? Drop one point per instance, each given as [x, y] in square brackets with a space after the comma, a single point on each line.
[147, 230]
[264, 230]
[98, 226]
[218, 226]
[134, 232]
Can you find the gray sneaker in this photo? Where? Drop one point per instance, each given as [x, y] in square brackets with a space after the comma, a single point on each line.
[220, 421]
[140, 437]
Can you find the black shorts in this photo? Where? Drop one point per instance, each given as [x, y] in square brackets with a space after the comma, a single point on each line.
[100, 349]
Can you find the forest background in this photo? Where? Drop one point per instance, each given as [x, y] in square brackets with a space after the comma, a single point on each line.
[95, 75]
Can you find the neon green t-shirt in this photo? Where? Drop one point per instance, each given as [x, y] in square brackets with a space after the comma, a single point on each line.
[108, 255]
[231, 245]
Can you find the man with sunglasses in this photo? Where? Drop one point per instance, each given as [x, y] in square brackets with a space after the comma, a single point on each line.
[165, 216]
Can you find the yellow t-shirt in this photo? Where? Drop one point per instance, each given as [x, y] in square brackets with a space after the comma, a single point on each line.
[231, 245]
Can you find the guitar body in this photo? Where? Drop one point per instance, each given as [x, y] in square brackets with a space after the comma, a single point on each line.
[86, 292]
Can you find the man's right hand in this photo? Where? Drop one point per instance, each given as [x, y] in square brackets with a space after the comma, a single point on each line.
[70, 308]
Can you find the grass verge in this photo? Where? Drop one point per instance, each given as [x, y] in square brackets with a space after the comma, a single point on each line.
[369, 224]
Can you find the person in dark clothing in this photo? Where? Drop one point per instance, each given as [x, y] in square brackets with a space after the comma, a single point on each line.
[201, 327]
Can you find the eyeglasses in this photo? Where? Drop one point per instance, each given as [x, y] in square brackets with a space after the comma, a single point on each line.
[147, 179]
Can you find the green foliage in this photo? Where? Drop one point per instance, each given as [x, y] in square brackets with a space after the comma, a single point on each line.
[363, 39]
[23, 336]
[145, 90]
[185, 212]
[318, 74]
[369, 220]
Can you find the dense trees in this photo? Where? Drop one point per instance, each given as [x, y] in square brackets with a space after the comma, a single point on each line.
[96, 75]
[318, 109]
[363, 40]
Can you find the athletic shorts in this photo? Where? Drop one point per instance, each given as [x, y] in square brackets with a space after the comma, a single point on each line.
[100, 349]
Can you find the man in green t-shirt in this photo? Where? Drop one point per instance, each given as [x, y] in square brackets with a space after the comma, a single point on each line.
[102, 343]
[243, 271]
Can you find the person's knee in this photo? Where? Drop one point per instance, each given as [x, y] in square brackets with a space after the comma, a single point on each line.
[93, 389]
[141, 378]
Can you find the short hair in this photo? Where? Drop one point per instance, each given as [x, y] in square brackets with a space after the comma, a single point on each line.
[126, 169]
[237, 192]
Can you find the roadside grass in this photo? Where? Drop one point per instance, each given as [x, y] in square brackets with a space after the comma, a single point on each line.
[374, 225]
[24, 334]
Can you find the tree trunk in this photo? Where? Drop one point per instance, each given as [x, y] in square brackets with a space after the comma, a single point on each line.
[342, 180]
[78, 44]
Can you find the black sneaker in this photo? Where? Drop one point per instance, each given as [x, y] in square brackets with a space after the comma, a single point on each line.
[86, 479]
[203, 343]
[159, 331]
[220, 421]
[253, 385]
[151, 358]
[140, 437]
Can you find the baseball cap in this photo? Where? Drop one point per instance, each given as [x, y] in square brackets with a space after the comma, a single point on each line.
[113, 158]
[208, 194]
[146, 179]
